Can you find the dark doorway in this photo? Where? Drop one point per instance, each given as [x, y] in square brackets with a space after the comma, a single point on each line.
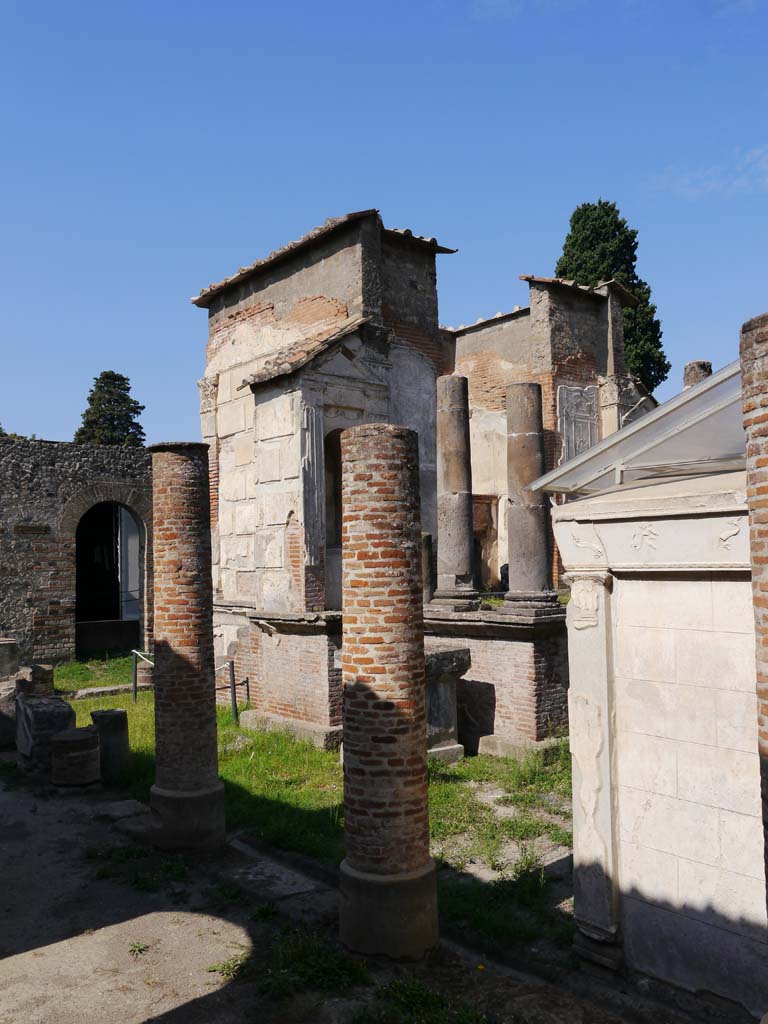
[108, 580]
[332, 455]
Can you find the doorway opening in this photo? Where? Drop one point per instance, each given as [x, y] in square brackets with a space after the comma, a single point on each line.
[109, 580]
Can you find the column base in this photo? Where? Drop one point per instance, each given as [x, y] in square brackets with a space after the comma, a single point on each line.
[607, 954]
[188, 820]
[456, 600]
[388, 915]
[531, 598]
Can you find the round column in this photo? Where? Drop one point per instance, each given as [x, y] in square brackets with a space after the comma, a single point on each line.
[530, 568]
[754, 389]
[188, 797]
[455, 536]
[387, 881]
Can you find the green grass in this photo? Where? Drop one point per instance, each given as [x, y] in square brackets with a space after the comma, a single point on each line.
[80, 675]
[409, 1001]
[290, 795]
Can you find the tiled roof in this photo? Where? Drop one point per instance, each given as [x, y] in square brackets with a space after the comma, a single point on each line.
[297, 355]
[321, 231]
[626, 296]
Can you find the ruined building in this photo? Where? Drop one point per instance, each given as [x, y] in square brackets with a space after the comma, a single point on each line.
[340, 328]
[75, 548]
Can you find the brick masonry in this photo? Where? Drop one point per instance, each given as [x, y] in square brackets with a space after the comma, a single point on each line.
[185, 709]
[45, 489]
[754, 382]
[385, 763]
[388, 893]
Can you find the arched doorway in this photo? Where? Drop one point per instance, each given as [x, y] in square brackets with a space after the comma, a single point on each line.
[109, 580]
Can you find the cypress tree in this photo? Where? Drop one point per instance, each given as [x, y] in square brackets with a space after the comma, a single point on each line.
[111, 416]
[601, 246]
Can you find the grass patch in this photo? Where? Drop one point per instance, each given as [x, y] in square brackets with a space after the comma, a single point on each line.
[510, 912]
[300, 960]
[408, 1001]
[83, 674]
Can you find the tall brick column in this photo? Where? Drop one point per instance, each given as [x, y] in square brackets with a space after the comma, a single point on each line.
[387, 883]
[455, 537]
[754, 388]
[188, 797]
[530, 566]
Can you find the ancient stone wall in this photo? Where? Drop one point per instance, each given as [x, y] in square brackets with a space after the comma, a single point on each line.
[45, 488]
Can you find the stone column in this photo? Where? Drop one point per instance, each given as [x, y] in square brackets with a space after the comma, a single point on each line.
[455, 539]
[387, 881]
[530, 566]
[188, 797]
[754, 389]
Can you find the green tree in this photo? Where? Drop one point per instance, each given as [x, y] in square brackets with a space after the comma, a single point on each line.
[599, 247]
[112, 414]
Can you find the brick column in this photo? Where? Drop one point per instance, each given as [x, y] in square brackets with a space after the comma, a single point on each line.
[455, 537]
[188, 797]
[530, 566]
[387, 884]
[754, 387]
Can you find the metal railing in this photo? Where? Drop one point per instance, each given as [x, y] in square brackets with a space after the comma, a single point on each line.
[135, 671]
[231, 686]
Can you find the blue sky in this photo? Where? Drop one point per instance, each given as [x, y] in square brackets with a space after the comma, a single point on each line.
[148, 149]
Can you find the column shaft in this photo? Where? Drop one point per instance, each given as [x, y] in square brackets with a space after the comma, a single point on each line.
[530, 568]
[187, 796]
[455, 537]
[388, 893]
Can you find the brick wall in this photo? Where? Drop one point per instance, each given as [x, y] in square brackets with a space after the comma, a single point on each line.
[754, 382]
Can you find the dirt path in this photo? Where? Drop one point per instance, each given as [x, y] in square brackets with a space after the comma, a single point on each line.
[97, 929]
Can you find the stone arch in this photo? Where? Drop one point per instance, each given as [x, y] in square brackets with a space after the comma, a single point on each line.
[138, 501]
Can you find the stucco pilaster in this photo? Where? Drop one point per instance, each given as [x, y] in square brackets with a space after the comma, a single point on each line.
[591, 715]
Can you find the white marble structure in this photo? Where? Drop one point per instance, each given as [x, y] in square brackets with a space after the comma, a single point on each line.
[668, 834]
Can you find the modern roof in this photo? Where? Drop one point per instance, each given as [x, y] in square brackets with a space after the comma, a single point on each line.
[626, 296]
[292, 358]
[331, 225]
[698, 431]
[499, 318]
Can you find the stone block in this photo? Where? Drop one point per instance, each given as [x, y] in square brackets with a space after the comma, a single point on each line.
[648, 763]
[732, 610]
[729, 779]
[695, 955]
[231, 417]
[716, 895]
[232, 485]
[736, 720]
[326, 737]
[741, 844]
[35, 681]
[723, 661]
[268, 550]
[75, 759]
[664, 603]
[268, 462]
[38, 720]
[443, 670]
[243, 451]
[9, 658]
[276, 418]
[645, 653]
[670, 826]
[247, 517]
[648, 874]
[665, 709]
